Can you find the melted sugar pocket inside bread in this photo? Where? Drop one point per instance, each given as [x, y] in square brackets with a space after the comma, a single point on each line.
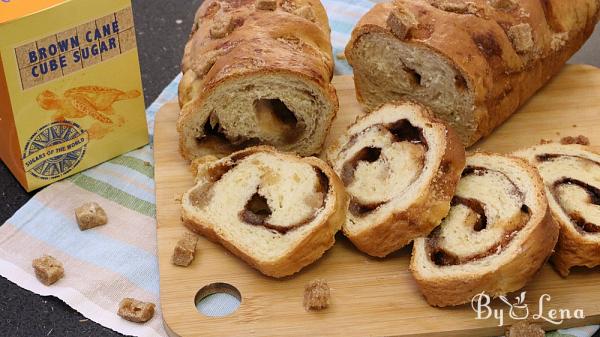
[388, 69]
[486, 213]
[574, 183]
[264, 202]
[283, 111]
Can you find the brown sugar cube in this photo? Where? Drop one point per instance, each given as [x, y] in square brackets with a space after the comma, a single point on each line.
[456, 7]
[27, 78]
[112, 43]
[106, 21]
[316, 295]
[400, 22]
[127, 40]
[306, 12]
[521, 38]
[88, 58]
[136, 311]
[67, 35]
[222, 26]
[524, 329]
[267, 5]
[22, 53]
[504, 5]
[71, 65]
[82, 32]
[90, 215]
[184, 251]
[124, 18]
[47, 269]
[581, 140]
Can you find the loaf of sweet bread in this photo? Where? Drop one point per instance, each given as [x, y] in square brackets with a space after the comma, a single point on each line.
[276, 211]
[497, 235]
[473, 62]
[571, 174]
[400, 168]
[257, 72]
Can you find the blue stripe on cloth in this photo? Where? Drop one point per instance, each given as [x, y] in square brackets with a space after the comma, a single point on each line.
[88, 246]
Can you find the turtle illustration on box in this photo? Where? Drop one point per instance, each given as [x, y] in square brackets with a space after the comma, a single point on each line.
[87, 101]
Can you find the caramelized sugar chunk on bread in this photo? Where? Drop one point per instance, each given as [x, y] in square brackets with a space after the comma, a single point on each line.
[497, 235]
[276, 211]
[400, 167]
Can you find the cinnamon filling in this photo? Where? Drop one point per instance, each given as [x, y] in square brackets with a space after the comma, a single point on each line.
[257, 210]
[576, 217]
[442, 257]
[593, 192]
[401, 131]
[214, 138]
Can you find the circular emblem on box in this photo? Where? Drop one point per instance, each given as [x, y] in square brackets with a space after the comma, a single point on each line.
[55, 149]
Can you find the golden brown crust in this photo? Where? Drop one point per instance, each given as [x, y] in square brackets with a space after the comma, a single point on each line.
[502, 72]
[292, 40]
[534, 251]
[572, 251]
[312, 247]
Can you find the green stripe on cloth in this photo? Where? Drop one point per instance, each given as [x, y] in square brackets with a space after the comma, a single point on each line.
[135, 164]
[114, 194]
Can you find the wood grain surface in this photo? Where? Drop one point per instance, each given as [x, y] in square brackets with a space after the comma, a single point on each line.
[370, 297]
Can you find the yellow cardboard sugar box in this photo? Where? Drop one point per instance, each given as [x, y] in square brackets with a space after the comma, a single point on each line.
[70, 87]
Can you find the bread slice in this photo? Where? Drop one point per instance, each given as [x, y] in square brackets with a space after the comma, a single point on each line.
[276, 211]
[474, 63]
[400, 168]
[257, 73]
[498, 234]
[571, 174]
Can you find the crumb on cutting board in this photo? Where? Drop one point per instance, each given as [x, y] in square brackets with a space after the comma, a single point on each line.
[185, 250]
[581, 140]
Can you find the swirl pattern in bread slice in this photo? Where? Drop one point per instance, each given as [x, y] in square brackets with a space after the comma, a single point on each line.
[571, 174]
[497, 235]
[400, 168]
[276, 211]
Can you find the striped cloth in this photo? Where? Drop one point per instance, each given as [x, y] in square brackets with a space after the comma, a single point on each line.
[119, 260]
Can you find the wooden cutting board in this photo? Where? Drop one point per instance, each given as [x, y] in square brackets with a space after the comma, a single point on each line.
[370, 297]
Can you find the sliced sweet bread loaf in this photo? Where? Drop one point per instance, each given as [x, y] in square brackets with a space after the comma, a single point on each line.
[400, 168]
[474, 63]
[571, 174]
[276, 211]
[256, 72]
[497, 235]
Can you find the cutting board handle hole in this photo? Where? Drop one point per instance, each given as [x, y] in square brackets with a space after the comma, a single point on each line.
[218, 300]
